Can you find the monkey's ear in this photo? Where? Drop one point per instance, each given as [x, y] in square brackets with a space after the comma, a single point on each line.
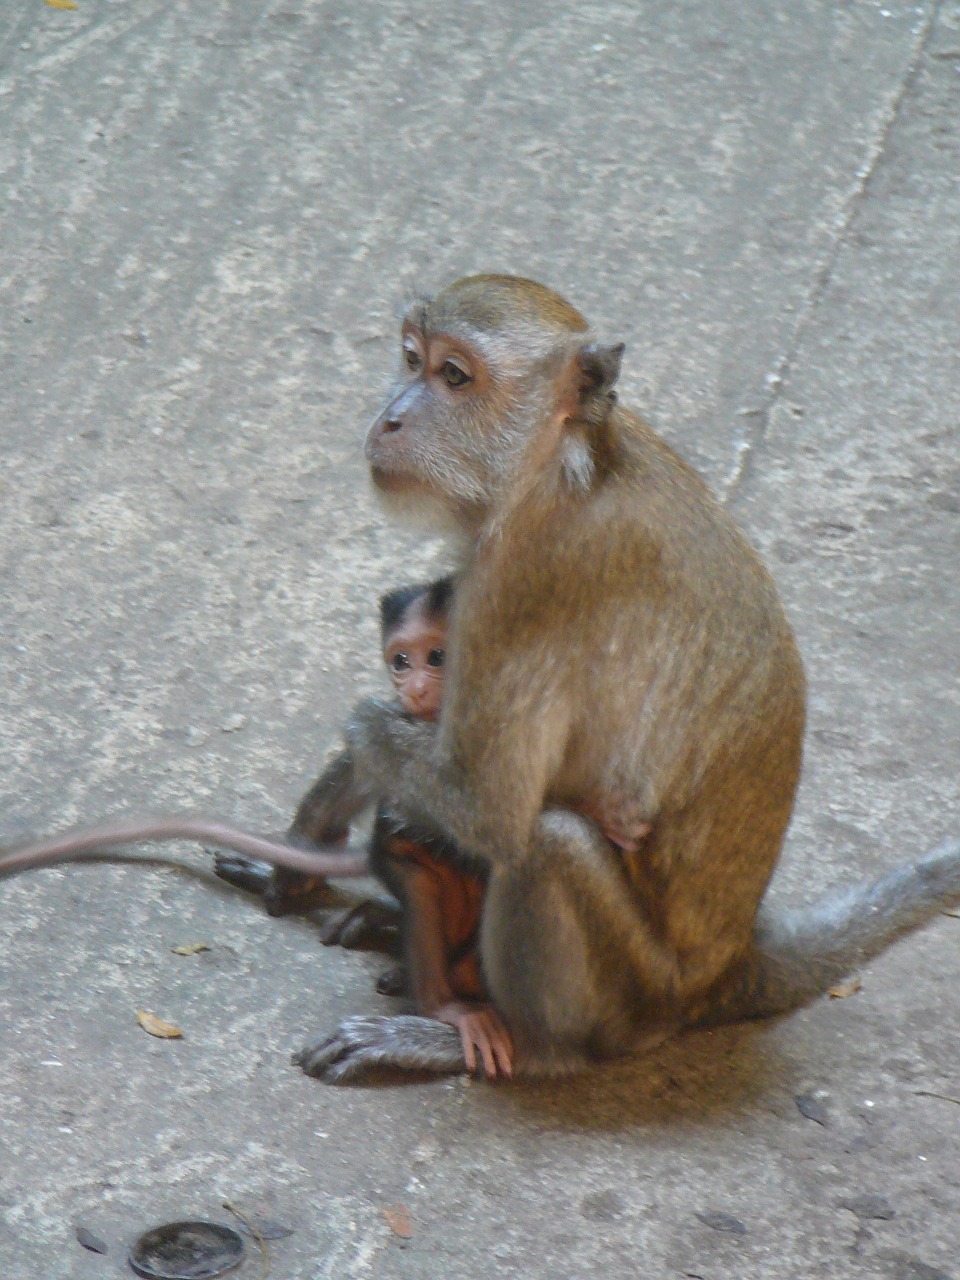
[587, 443]
[599, 368]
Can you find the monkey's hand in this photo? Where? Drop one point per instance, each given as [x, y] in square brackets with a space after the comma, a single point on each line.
[482, 1031]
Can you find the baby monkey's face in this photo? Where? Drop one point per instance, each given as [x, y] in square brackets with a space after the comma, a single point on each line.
[415, 656]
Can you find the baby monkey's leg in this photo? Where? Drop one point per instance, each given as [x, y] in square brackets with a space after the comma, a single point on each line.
[322, 819]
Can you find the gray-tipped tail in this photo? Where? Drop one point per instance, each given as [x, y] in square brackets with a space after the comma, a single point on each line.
[798, 955]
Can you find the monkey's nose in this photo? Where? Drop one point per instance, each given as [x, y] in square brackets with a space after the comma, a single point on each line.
[392, 424]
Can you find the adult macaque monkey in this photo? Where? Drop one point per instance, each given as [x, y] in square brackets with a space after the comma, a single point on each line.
[614, 636]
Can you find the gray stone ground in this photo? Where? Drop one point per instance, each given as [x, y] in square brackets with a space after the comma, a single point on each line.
[210, 214]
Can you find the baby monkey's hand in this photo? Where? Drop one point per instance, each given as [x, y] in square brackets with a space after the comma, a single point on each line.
[482, 1031]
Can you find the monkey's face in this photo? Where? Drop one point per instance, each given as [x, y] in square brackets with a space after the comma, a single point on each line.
[485, 368]
[433, 437]
[415, 654]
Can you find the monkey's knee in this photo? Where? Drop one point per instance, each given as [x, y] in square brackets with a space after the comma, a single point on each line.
[561, 829]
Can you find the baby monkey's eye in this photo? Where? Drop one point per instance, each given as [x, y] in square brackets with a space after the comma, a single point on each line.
[436, 658]
[412, 359]
[453, 375]
[399, 662]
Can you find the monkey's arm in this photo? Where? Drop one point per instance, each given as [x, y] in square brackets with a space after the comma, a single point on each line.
[297, 892]
[323, 817]
[489, 809]
[324, 814]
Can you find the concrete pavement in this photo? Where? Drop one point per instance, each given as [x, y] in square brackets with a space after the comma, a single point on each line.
[209, 215]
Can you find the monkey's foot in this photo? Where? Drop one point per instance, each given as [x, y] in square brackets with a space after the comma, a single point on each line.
[362, 1046]
[371, 922]
[289, 893]
[244, 873]
[393, 981]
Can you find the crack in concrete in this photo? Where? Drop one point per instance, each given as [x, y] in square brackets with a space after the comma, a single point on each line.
[775, 380]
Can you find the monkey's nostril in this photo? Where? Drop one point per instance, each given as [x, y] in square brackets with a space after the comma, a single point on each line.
[392, 424]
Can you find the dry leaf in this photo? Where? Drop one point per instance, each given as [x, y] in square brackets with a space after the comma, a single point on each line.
[190, 948]
[870, 1207]
[157, 1027]
[812, 1108]
[840, 990]
[266, 1228]
[721, 1221]
[90, 1241]
[63, 4]
[399, 1220]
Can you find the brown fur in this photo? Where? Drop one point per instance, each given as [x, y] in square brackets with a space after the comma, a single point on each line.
[614, 635]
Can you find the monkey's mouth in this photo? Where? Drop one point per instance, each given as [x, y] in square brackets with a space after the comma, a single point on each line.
[392, 482]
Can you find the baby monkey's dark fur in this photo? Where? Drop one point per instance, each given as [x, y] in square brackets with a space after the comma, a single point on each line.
[613, 634]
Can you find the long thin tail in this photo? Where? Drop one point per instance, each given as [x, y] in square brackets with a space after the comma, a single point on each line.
[798, 955]
[85, 842]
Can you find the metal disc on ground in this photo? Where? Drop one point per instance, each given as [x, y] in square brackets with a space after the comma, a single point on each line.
[186, 1251]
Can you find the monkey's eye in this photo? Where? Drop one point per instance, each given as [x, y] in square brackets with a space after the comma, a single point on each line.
[412, 359]
[436, 658]
[399, 662]
[453, 375]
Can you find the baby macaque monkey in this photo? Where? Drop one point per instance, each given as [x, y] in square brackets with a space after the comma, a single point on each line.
[441, 893]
